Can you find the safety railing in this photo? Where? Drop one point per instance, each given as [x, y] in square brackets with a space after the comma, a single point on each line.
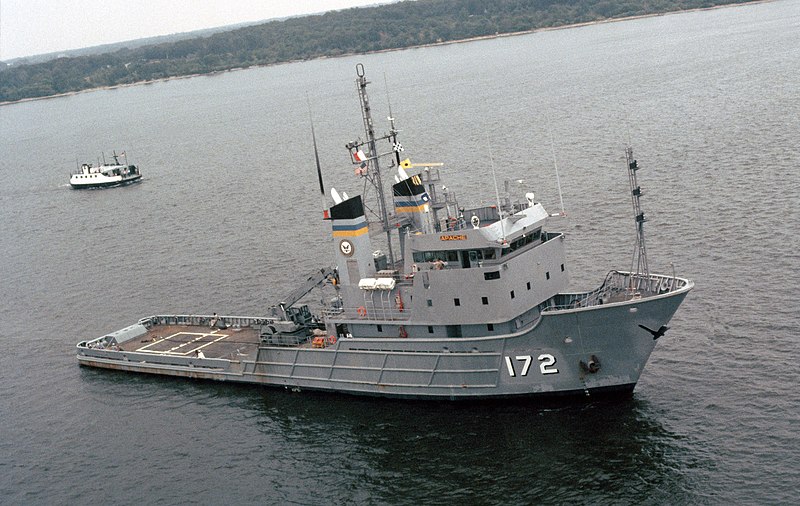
[205, 320]
[617, 287]
[368, 313]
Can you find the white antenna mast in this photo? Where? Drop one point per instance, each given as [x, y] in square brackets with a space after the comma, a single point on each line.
[555, 163]
[496, 191]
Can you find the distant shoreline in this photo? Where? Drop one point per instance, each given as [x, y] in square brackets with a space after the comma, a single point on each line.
[434, 44]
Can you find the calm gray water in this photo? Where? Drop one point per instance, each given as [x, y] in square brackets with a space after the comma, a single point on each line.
[228, 218]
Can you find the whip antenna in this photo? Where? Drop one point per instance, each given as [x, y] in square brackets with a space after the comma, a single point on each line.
[496, 191]
[555, 164]
[316, 152]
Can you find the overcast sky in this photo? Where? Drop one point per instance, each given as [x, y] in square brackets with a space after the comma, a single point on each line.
[29, 27]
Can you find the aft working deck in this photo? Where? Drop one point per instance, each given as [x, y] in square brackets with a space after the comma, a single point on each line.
[195, 340]
[184, 340]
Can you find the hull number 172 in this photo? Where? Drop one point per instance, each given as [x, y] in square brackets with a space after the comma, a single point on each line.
[547, 364]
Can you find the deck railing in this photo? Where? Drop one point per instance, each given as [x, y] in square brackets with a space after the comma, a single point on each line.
[617, 287]
[368, 313]
[230, 321]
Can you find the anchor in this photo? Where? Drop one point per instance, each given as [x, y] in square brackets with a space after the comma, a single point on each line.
[656, 333]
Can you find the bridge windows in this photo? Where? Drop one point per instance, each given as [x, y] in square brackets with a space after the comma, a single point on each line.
[464, 258]
[522, 241]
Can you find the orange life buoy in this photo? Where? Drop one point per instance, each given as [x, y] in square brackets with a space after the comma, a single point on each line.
[362, 311]
[331, 339]
[398, 300]
[402, 332]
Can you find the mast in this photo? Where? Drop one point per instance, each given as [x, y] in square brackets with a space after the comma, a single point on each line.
[373, 172]
[640, 253]
[396, 146]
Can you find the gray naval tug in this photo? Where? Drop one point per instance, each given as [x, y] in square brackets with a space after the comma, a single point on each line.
[459, 304]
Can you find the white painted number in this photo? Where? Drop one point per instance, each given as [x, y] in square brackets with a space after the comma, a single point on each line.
[510, 367]
[527, 366]
[547, 365]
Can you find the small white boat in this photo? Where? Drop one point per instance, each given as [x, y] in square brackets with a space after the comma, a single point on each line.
[107, 174]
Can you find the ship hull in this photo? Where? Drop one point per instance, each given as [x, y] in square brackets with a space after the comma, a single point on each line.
[106, 182]
[571, 352]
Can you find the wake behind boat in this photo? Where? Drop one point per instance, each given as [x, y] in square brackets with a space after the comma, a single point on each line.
[427, 300]
[105, 174]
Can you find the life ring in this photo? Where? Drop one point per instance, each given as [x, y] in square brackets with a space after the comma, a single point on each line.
[398, 300]
[362, 311]
[664, 288]
[331, 340]
[401, 331]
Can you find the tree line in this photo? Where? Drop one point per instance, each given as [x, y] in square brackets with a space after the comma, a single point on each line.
[336, 33]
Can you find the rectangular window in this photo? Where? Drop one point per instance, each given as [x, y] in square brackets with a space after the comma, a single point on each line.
[547, 274]
[491, 275]
[485, 300]
[512, 294]
[380, 328]
[457, 301]
[490, 327]
[430, 303]
[529, 285]
[430, 329]
[562, 267]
